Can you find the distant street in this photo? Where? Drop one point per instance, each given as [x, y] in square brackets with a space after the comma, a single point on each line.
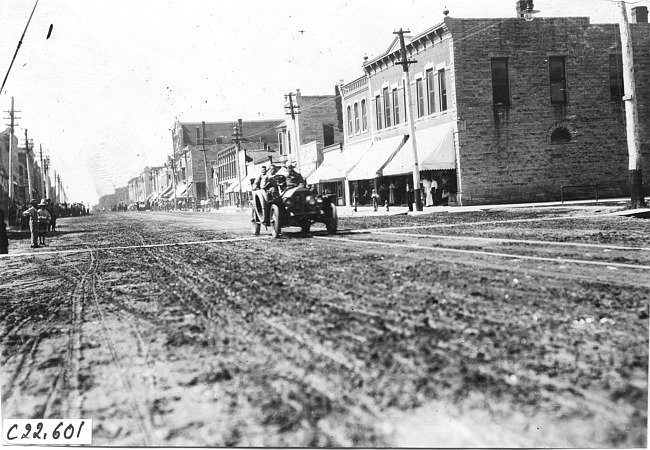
[502, 328]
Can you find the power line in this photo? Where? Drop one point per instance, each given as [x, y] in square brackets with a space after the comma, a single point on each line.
[20, 42]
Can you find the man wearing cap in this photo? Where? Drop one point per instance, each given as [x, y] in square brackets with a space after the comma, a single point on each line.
[32, 213]
[43, 217]
[293, 178]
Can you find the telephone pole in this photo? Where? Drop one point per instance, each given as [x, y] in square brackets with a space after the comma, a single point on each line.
[411, 118]
[631, 113]
[205, 160]
[29, 169]
[20, 42]
[294, 111]
[12, 124]
[42, 170]
[237, 137]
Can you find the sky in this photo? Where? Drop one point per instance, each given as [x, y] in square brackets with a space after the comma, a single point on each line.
[100, 95]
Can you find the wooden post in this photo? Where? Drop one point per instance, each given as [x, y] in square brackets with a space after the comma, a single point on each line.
[631, 113]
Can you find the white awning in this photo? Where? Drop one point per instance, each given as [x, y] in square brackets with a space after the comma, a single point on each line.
[167, 193]
[338, 163]
[435, 151]
[246, 186]
[181, 189]
[232, 188]
[376, 158]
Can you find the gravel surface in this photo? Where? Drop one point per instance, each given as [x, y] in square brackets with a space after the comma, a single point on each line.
[184, 329]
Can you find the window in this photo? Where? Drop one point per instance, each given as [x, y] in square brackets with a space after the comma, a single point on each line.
[560, 136]
[616, 88]
[289, 140]
[328, 135]
[356, 118]
[431, 89]
[364, 116]
[280, 146]
[442, 88]
[500, 83]
[380, 116]
[387, 112]
[396, 106]
[349, 112]
[557, 76]
[419, 92]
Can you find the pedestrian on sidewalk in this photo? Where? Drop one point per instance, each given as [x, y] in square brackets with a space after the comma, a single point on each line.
[32, 214]
[43, 222]
[53, 209]
[13, 213]
[4, 239]
[375, 199]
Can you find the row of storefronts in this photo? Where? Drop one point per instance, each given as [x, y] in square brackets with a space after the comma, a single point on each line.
[493, 110]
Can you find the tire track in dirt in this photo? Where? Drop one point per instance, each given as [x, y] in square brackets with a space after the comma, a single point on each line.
[19, 382]
[138, 404]
[196, 284]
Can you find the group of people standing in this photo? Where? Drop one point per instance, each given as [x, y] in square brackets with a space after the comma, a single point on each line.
[436, 187]
[40, 217]
[42, 220]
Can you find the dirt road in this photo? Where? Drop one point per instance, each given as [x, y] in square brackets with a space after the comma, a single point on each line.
[520, 327]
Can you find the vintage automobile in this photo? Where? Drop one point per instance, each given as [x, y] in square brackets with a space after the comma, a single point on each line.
[292, 207]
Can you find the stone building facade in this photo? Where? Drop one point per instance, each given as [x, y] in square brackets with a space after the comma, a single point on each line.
[515, 110]
[555, 116]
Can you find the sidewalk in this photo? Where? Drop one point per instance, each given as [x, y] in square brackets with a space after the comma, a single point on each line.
[368, 211]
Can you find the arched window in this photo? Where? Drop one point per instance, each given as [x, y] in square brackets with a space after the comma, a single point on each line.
[364, 116]
[349, 111]
[560, 136]
[356, 117]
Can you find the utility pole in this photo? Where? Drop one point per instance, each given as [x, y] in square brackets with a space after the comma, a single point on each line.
[46, 181]
[173, 166]
[205, 160]
[172, 162]
[411, 119]
[294, 111]
[20, 42]
[11, 124]
[40, 152]
[631, 113]
[56, 190]
[29, 168]
[187, 182]
[237, 137]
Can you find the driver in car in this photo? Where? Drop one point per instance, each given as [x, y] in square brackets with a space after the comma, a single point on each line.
[293, 178]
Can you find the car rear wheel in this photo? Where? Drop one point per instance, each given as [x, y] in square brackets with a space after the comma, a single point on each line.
[332, 223]
[275, 222]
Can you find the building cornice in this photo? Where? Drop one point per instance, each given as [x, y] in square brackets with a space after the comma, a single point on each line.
[418, 43]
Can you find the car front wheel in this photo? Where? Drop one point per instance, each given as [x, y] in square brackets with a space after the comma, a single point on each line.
[256, 224]
[332, 223]
[275, 221]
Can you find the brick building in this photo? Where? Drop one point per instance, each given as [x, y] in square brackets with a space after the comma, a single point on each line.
[190, 160]
[510, 110]
[317, 123]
